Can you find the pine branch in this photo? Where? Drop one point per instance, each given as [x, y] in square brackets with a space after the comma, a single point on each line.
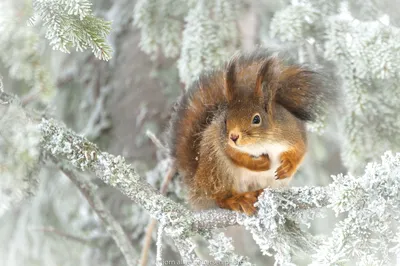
[70, 23]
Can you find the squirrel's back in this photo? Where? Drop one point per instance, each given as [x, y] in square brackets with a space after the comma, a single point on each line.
[193, 112]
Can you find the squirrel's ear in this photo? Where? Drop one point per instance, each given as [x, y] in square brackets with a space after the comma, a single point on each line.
[229, 79]
[269, 73]
[303, 92]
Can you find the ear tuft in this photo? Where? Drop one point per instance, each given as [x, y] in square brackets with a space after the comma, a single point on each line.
[230, 78]
[267, 82]
[268, 72]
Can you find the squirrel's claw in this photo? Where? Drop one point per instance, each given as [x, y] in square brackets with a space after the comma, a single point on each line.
[243, 202]
[286, 169]
[290, 160]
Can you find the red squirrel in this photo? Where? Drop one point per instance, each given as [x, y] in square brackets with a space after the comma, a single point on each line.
[240, 129]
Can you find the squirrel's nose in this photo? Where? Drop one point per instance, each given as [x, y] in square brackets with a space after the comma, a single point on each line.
[234, 137]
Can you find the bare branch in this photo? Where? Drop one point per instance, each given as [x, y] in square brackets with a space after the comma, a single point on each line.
[116, 231]
[64, 235]
[152, 224]
[156, 141]
[147, 242]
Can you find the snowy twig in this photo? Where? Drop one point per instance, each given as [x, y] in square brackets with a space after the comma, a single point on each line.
[113, 227]
[222, 249]
[225, 218]
[152, 224]
[156, 141]
[181, 223]
[215, 218]
[186, 249]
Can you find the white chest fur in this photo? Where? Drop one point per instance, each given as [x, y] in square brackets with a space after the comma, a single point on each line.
[247, 180]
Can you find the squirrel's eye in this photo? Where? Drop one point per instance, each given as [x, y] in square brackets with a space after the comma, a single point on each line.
[256, 120]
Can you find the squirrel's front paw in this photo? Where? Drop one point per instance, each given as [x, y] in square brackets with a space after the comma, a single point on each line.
[261, 163]
[287, 167]
[243, 202]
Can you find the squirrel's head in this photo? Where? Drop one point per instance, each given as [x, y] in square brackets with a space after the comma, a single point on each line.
[249, 112]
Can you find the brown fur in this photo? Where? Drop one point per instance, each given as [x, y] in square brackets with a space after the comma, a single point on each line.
[225, 101]
[242, 202]
[243, 159]
[290, 160]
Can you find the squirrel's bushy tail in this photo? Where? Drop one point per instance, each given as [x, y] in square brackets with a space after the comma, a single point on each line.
[302, 91]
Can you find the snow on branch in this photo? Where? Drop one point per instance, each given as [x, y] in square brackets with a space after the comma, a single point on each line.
[70, 23]
[363, 44]
[370, 203]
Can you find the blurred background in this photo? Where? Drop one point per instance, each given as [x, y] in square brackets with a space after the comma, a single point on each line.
[120, 93]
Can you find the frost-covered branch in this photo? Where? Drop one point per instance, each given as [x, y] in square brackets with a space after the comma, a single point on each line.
[71, 23]
[222, 249]
[363, 45]
[113, 170]
[370, 202]
[63, 143]
[179, 222]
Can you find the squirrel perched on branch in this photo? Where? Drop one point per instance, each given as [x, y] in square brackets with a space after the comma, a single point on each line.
[241, 129]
